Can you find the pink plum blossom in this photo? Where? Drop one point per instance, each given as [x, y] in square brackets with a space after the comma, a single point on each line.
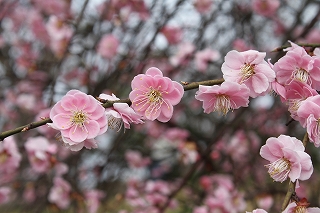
[249, 68]
[297, 65]
[108, 46]
[227, 96]
[309, 115]
[135, 159]
[185, 51]
[5, 194]
[60, 193]
[173, 34]
[9, 155]
[301, 206]
[265, 7]
[203, 6]
[120, 113]
[80, 118]
[40, 152]
[203, 57]
[287, 159]
[201, 209]
[296, 93]
[153, 96]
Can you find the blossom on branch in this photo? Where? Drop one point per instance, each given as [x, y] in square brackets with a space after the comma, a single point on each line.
[249, 68]
[287, 159]
[153, 96]
[120, 114]
[227, 96]
[301, 206]
[79, 117]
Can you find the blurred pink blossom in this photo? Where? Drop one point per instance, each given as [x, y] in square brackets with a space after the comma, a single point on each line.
[265, 201]
[249, 68]
[40, 152]
[135, 159]
[203, 6]
[258, 211]
[59, 8]
[60, 193]
[203, 57]
[227, 96]
[5, 194]
[182, 57]
[9, 155]
[172, 34]
[120, 113]
[241, 45]
[265, 7]
[153, 96]
[287, 159]
[108, 46]
[80, 118]
[93, 198]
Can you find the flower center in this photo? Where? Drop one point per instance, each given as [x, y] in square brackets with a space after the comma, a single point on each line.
[300, 209]
[301, 75]
[114, 123]
[222, 104]
[294, 105]
[279, 169]
[154, 95]
[246, 71]
[78, 117]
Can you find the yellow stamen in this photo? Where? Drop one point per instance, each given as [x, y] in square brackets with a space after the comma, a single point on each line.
[246, 71]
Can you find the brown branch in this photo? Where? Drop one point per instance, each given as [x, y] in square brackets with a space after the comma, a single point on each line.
[278, 49]
[106, 104]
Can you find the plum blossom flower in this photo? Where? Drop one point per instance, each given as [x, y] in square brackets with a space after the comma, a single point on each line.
[153, 96]
[60, 193]
[120, 113]
[265, 7]
[203, 6]
[287, 159]
[40, 152]
[227, 96]
[297, 65]
[301, 207]
[108, 46]
[9, 155]
[203, 57]
[309, 117]
[80, 118]
[296, 93]
[249, 68]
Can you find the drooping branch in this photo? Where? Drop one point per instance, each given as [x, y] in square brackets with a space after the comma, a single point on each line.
[105, 104]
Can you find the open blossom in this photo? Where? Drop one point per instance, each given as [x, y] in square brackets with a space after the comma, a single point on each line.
[80, 118]
[296, 93]
[227, 96]
[120, 113]
[301, 207]
[60, 193]
[249, 68]
[153, 96]
[40, 152]
[9, 155]
[297, 65]
[108, 46]
[309, 115]
[287, 159]
[265, 7]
